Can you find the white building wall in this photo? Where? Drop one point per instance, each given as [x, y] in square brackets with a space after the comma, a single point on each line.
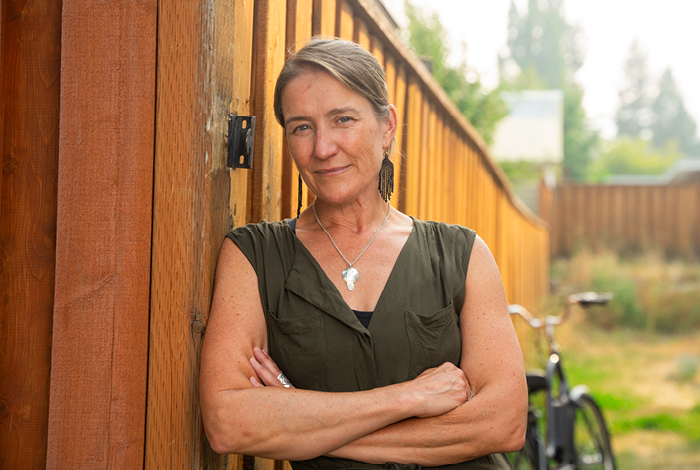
[534, 129]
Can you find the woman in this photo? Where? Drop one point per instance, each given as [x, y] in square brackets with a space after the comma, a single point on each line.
[355, 336]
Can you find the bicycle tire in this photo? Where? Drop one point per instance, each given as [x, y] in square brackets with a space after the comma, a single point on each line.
[531, 455]
[591, 441]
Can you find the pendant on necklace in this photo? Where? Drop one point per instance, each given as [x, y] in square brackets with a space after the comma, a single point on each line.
[351, 275]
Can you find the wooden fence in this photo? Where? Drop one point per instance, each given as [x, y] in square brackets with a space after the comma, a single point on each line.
[115, 198]
[627, 218]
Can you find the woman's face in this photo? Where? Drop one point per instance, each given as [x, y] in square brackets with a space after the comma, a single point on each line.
[335, 138]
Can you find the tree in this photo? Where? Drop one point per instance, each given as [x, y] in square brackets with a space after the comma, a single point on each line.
[429, 39]
[580, 141]
[670, 120]
[546, 52]
[633, 116]
[633, 156]
[542, 40]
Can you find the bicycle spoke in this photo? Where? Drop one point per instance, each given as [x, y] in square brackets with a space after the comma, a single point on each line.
[591, 444]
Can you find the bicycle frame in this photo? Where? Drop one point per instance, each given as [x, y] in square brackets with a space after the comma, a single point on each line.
[559, 398]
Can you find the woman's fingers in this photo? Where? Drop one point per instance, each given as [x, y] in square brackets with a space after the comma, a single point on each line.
[266, 369]
[441, 389]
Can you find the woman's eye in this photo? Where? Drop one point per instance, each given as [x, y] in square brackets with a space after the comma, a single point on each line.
[344, 119]
[301, 128]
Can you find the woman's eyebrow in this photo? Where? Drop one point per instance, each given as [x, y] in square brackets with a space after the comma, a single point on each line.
[296, 118]
[347, 109]
[332, 112]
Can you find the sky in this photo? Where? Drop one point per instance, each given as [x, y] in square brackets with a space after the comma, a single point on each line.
[668, 30]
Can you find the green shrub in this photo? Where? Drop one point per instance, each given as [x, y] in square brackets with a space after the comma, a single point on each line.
[650, 292]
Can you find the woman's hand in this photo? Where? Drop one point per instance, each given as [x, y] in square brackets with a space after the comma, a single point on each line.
[440, 389]
[266, 369]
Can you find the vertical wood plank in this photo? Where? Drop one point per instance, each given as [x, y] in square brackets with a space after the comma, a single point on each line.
[103, 243]
[375, 45]
[399, 162]
[298, 32]
[408, 191]
[267, 166]
[361, 33]
[643, 207]
[427, 153]
[30, 49]
[345, 20]
[324, 17]
[424, 156]
[240, 34]
[434, 166]
[199, 82]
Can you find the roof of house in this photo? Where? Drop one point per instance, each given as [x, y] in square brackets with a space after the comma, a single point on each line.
[682, 171]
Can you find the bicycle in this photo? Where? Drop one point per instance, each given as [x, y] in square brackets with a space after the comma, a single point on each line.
[576, 434]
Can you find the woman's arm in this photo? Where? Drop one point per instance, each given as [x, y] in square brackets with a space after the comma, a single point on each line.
[284, 423]
[495, 419]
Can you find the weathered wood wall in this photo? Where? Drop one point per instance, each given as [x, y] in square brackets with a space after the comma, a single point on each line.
[103, 240]
[30, 48]
[115, 198]
[629, 218]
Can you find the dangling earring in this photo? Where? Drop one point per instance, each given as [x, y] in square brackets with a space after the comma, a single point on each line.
[386, 177]
[299, 193]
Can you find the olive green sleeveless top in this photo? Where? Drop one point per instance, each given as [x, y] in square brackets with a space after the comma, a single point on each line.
[318, 342]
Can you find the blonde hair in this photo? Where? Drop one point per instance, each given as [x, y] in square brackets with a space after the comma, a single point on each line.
[345, 61]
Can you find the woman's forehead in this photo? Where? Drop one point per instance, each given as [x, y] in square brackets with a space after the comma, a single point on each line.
[314, 88]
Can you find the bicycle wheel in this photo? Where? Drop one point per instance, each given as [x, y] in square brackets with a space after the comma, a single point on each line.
[591, 441]
[531, 456]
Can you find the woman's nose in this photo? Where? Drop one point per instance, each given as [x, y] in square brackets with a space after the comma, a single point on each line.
[325, 144]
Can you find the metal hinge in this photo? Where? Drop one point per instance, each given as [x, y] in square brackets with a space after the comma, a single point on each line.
[240, 141]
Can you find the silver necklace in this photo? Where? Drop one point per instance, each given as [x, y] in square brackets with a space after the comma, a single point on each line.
[350, 274]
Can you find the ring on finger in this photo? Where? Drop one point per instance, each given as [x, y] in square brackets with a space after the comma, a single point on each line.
[284, 380]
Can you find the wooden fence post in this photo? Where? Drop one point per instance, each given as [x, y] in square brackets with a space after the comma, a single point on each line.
[100, 330]
[204, 71]
[30, 44]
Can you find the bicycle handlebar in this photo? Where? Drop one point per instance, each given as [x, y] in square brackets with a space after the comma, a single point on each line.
[590, 298]
[584, 299]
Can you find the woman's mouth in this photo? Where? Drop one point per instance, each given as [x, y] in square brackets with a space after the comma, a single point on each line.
[332, 171]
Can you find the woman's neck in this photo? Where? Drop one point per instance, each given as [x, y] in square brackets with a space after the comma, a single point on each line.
[356, 217]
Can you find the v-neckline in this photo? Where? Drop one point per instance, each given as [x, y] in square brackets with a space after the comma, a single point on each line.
[332, 287]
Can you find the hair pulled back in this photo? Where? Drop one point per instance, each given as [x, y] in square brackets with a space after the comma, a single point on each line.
[345, 61]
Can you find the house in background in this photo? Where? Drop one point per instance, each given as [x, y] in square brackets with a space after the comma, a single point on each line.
[532, 132]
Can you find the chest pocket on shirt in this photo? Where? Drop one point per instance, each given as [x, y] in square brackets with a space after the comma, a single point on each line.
[298, 347]
[433, 338]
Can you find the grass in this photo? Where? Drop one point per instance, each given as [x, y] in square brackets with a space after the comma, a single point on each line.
[651, 292]
[640, 355]
[652, 414]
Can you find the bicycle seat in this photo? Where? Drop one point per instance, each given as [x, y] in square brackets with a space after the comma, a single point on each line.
[536, 380]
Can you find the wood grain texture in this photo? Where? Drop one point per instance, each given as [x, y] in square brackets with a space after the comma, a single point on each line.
[103, 244]
[237, 68]
[204, 70]
[298, 32]
[30, 40]
[270, 42]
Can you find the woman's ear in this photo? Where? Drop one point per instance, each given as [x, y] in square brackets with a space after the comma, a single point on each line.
[392, 122]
